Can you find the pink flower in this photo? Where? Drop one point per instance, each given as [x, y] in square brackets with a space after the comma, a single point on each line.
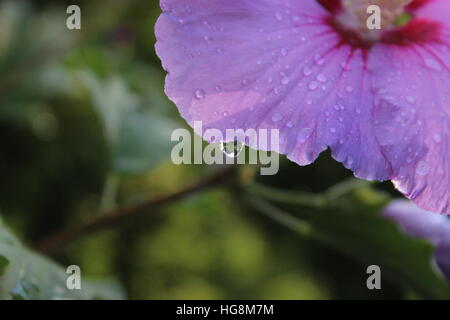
[380, 100]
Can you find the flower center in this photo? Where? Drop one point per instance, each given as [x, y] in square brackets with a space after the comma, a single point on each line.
[355, 16]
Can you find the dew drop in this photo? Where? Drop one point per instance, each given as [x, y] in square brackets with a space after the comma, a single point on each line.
[304, 135]
[411, 99]
[232, 149]
[321, 78]
[199, 94]
[307, 71]
[437, 138]
[433, 64]
[422, 168]
[277, 117]
[313, 85]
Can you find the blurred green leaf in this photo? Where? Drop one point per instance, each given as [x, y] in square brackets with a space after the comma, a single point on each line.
[27, 275]
[352, 225]
[139, 137]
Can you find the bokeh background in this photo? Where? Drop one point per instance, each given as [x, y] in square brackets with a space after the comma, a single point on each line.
[85, 128]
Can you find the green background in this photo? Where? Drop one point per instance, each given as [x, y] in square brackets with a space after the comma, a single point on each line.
[85, 128]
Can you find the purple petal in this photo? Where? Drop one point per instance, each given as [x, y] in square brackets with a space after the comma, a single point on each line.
[271, 64]
[412, 117]
[426, 225]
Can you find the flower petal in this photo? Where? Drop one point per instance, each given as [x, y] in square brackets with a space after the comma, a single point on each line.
[412, 91]
[435, 10]
[240, 64]
[426, 225]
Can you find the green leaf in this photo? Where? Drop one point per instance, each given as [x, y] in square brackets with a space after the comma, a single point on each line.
[26, 275]
[139, 137]
[3, 264]
[351, 224]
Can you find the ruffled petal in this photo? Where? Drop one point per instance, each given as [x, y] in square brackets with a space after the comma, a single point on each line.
[240, 64]
[278, 64]
[412, 90]
[426, 225]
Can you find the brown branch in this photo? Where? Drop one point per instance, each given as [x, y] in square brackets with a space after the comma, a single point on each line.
[115, 217]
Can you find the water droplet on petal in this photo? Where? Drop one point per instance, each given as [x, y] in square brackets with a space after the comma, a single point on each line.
[321, 78]
[433, 64]
[313, 85]
[410, 99]
[307, 71]
[437, 138]
[199, 94]
[422, 168]
[304, 135]
[277, 117]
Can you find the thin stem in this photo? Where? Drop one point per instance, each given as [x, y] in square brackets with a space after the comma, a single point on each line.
[292, 197]
[116, 217]
[285, 219]
[109, 194]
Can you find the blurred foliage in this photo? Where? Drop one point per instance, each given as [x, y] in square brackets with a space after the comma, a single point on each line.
[85, 126]
[26, 275]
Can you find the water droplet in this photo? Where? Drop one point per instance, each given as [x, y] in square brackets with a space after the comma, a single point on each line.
[422, 168]
[307, 71]
[304, 135]
[437, 138]
[349, 161]
[321, 78]
[277, 117]
[433, 64]
[199, 94]
[313, 85]
[231, 149]
[411, 99]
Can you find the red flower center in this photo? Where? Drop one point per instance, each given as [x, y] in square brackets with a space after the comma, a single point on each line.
[414, 31]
